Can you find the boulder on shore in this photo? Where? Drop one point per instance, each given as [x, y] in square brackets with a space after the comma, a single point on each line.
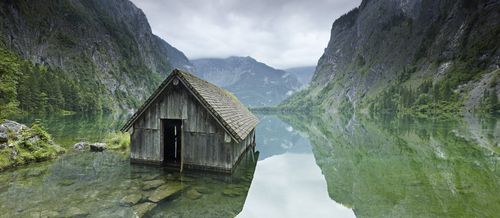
[80, 146]
[3, 138]
[13, 126]
[100, 147]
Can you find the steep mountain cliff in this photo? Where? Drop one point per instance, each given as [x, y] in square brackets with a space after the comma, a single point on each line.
[409, 55]
[252, 82]
[106, 47]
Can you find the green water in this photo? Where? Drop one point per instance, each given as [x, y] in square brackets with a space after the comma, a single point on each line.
[302, 166]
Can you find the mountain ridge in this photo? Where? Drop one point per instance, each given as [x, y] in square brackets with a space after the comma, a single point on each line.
[252, 82]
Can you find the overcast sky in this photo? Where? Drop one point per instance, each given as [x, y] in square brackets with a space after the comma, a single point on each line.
[280, 33]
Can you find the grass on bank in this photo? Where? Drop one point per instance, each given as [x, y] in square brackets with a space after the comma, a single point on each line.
[117, 140]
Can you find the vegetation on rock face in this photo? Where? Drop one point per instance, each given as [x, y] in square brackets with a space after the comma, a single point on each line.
[101, 57]
[412, 56]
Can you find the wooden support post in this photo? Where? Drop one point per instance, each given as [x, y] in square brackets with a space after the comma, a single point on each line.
[182, 144]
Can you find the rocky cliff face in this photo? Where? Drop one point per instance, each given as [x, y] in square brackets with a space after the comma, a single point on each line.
[106, 43]
[252, 82]
[386, 43]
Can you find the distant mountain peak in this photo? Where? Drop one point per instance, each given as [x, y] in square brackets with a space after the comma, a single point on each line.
[252, 82]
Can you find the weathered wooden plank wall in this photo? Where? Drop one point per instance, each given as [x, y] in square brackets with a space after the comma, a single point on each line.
[203, 137]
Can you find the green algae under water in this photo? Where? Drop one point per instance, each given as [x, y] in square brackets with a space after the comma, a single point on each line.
[326, 166]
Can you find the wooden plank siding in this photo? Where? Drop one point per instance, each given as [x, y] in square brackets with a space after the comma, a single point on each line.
[203, 144]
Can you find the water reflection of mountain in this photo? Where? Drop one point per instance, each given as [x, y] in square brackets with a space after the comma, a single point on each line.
[274, 137]
[100, 185]
[406, 167]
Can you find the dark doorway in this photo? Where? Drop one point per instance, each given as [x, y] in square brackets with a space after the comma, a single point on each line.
[172, 130]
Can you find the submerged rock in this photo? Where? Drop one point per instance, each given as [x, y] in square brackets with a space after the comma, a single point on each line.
[74, 212]
[151, 177]
[152, 184]
[232, 193]
[170, 190]
[66, 182]
[193, 194]
[44, 214]
[131, 199]
[143, 208]
[187, 179]
[203, 190]
[100, 147]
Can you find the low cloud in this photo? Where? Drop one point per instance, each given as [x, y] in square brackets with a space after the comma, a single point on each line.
[282, 34]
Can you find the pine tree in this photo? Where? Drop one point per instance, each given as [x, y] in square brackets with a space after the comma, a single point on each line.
[9, 76]
[493, 101]
[447, 92]
[435, 93]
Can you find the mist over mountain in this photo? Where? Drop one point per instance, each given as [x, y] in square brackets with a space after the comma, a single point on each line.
[178, 59]
[252, 82]
[304, 74]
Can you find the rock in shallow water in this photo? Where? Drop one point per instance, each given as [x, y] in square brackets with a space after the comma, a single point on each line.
[80, 146]
[203, 190]
[170, 190]
[142, 209]
[232, 193]
[193, 194]
[131, 199]
[44, 214]
[152, 184]
[100, 147]
[66, 182]
[74, 212]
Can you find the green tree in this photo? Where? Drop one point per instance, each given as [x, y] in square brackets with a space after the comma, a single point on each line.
[9, 76]
[435, 93]
[493, 101]
[446, 90]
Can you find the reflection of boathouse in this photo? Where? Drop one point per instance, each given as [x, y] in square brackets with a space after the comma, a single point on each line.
[190, 123]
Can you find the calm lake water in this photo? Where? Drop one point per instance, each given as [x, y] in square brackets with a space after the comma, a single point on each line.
[302, 166]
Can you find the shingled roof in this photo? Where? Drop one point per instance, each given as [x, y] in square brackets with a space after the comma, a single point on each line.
[222, 105]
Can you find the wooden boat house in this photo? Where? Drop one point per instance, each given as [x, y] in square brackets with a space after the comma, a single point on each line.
[190, 123]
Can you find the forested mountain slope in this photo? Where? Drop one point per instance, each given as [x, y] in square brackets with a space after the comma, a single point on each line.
[419, 55]
[82, 55]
